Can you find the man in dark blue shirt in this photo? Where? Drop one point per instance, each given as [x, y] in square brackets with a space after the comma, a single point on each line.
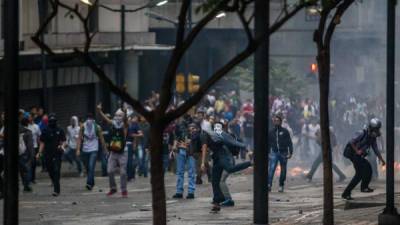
[356, 150]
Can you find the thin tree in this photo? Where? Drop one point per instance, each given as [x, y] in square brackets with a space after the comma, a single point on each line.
[322, 38]
[160, 117]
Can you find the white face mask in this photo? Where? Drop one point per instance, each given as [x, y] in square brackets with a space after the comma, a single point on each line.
[218, 129]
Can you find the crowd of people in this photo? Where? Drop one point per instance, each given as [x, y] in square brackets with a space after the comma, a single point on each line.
[206, 141]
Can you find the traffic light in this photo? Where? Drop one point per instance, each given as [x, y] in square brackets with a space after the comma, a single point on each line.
[193, 83]
[180, 83]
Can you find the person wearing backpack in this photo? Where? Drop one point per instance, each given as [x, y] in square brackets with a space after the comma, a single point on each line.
[118, 150]
[187, 142]
[26, 152]
[231, 154]
[52, 142]
[88, 146]
[356, 150]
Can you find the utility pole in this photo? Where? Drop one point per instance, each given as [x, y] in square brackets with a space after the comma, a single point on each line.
[390, 215]
[121, 76]
[11, 48]
[261, 109]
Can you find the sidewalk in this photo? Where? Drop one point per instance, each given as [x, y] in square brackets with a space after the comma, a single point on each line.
[300, 204]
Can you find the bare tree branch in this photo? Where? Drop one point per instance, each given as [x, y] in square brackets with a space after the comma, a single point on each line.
[335, 21]
[180, 34]
[251, 48]
[40, 32]
[179, 51]
[85, 55]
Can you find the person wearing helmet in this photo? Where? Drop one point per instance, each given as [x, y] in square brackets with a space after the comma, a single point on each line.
[356, 150]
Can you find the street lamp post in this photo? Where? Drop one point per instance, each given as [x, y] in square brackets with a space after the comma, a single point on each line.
[120, 79]
[390, 215]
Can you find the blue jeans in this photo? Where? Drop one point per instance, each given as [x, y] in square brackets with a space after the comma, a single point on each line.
[165, 162]
[104, 161]
[89, 160]
[129, 167]
[183, 160]
[274, 158]
[70, 156]
[143, 160]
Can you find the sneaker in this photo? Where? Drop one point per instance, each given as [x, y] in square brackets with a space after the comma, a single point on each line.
[55, 194]
[177, 196]
[27, 189]
[111, 192]
[308, 177]
[367, 190]
[228, 203]
[347, 197]
[280, 189]
[89, 187]
[190, 196]
[215, 209]
[124, 194]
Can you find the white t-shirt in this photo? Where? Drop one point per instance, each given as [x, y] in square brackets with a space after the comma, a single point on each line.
[312, 130]
[72, 136]
[35, 134]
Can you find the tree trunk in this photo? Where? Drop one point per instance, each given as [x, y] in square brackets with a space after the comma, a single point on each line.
[324, 77]
[157, 176]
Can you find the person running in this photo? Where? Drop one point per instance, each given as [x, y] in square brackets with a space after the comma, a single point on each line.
[118, 151]
[52, 142]
[72, 139]
[356, 150]
[88, 146]
[281, 150]
[318, 160]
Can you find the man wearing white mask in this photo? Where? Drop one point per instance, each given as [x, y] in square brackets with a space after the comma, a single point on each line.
[88, 146]
[219, 142]
[118, 150]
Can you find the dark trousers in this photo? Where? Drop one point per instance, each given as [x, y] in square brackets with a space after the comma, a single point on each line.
[24, 169]
[363, 174]
[34, 165]
[223, 161]
[1, 174]
[53, 166]
[316, 164]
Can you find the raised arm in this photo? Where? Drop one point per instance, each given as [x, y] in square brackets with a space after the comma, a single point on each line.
[99, 109]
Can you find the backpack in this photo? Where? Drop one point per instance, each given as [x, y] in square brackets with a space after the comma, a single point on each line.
[117, 140]
[235, 150]
[21, 146]
[349, 151]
